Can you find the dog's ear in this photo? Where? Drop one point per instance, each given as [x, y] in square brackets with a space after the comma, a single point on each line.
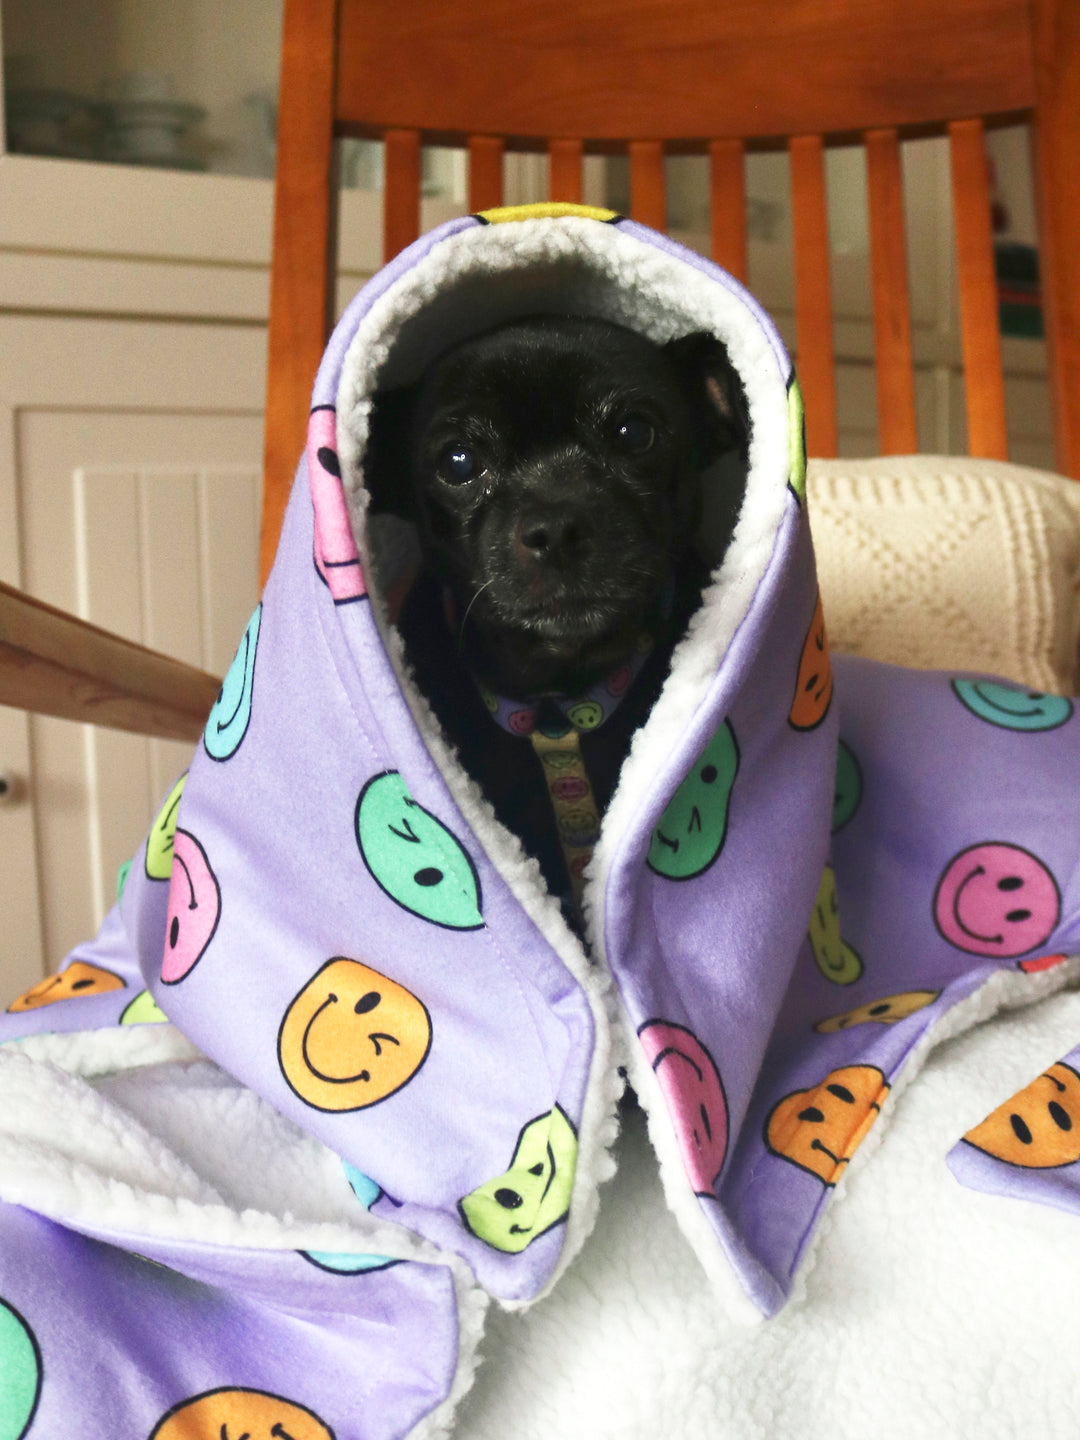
[388, 456]
[714, 392]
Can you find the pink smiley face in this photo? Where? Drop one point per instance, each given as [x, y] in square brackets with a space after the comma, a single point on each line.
[996, 899]
[336, 556]
[194, 908]
[692, 1090]
[522, 722]
[570, 787]
[618, 683]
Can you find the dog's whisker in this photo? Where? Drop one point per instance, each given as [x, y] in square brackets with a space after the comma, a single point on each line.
[472, 602]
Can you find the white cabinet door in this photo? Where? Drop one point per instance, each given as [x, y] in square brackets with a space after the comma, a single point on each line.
[134, 453]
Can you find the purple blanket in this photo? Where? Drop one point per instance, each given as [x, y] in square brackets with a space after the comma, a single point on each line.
[806, 866]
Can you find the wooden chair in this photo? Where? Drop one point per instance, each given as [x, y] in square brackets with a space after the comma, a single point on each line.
[648, 77]
[699, 76]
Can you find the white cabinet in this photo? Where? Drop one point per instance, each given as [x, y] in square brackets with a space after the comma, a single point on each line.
[132, 379]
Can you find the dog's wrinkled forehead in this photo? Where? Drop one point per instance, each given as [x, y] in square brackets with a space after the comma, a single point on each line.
[529, 374]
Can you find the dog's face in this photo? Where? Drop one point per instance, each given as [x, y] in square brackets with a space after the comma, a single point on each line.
[553, 469]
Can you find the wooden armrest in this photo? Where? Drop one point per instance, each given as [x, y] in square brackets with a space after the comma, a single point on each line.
[55, 664]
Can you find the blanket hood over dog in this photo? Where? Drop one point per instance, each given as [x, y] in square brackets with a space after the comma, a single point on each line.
[416, 1062]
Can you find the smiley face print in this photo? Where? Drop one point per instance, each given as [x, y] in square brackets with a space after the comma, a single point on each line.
[1013, 707]
[243, 1414]
[337, 560]
[694, 1095]
[144, 1010]
[159, 843]
[414, 858]
[836, 959]
[886, 1011]
[20, 1374]
[821, 1128]
[814, 683]
[228, 721]
[996, 900]
[693, 827]
[194, 909]
[847, 790]
[352, 1037]
[510, 1211]
[1039, 1127]
[79, 979]
[796, 438]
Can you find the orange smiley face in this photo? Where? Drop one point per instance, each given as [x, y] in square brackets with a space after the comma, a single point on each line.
[79, 979]
[814, 684]
[236, 1414]
[821, 1128]
[1039, 1127]
[352, 1037]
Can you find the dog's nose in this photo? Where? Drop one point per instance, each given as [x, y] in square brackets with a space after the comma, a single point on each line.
[544, 536]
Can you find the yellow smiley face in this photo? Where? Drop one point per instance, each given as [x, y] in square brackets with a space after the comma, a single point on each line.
[1039, 1127]
[821, 1128]
[79, 979]
[886, 1011]
[352, 1037]
[236, 1414]
[836, 959]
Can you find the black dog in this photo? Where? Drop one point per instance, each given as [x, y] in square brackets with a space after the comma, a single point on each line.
[552, 467]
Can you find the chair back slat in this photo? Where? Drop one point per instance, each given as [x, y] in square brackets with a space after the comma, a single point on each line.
[648, 196]
[485, 172]
[727, 205]
[984, 384]
[1057, 187]
[401, 197]
[565, 177]
[813, 292]
[892, 311]
[305, 233]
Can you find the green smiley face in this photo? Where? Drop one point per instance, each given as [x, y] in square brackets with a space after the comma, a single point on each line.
[797, 439]
[1013, 707]
[585, 715]
[510, 1211]
[228, 721]
[414, 858]
[159, 844]
[847, 791]
[144, 1010]
[20, 1374]
[693, 828]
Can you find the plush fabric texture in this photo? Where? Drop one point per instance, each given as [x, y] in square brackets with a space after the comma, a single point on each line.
[950, 563]
[808, 875]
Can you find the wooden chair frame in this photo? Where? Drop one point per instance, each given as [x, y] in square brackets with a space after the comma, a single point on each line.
[594, 76]
[497, 74]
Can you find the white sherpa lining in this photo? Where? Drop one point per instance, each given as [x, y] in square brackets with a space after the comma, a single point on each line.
[467, 284]
[130, 1131]
[936, 1312]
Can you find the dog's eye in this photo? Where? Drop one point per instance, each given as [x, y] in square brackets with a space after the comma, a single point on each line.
[457, 464]
[635, 434]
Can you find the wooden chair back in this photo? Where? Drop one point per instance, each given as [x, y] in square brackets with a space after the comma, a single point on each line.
[651, 77]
